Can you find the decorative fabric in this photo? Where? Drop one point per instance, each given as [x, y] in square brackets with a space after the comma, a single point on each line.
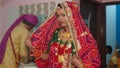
[88, 53]
[32, 19]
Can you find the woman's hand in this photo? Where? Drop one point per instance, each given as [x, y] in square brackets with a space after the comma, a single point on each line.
[44, 56]
[76, 61]
[36, 53]
[28, 43]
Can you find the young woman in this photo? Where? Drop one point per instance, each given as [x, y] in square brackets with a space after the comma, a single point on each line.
[64, 41]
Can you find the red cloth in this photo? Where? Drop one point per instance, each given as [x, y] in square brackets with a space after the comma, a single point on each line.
[89, 52]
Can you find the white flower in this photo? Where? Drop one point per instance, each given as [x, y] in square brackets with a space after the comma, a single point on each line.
[69, 45]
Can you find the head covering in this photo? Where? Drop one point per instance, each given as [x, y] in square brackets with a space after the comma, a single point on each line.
[88, 53]
[32, 19]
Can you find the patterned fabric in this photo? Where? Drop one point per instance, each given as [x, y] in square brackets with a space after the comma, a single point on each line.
[88, 53]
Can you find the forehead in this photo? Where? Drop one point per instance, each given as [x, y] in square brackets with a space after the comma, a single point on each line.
[60, 10]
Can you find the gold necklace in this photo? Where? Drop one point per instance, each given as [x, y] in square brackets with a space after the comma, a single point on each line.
[63, 35]
[66, 35]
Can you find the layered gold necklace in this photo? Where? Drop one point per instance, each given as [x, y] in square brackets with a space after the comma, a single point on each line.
[64, 35]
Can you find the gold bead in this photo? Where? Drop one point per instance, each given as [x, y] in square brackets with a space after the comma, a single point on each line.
[61, 58]
[66, 48]
[61, 45]
[56, 48]
[56, 54]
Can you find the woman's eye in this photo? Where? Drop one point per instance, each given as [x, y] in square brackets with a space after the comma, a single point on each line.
[63, 15]
[57, 15]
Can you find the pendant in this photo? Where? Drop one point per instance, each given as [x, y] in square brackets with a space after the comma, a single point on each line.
[61, 59]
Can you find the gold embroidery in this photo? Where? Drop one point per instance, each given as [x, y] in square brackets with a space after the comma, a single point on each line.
[61, 45]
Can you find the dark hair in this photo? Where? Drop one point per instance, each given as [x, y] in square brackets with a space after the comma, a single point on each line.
[118, 54]
[27, 23]
[59, 5]
[109, 48]
[118, 51]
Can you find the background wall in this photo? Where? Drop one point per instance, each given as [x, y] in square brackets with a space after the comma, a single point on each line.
[9, 11]
[118, 24]
[110, 28]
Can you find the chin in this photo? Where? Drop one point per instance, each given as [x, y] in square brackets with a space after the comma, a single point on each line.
[64, 26]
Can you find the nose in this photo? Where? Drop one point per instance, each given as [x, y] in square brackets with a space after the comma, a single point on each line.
[59, 18]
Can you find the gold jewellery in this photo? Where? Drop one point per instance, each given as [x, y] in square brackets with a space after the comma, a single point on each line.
[64, 36]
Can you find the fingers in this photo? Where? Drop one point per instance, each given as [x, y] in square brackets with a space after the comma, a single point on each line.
[28, 43]
[77, 62]
[44, 56]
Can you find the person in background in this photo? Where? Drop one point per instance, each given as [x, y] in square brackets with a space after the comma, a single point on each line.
[108, 52]
[115, 60]
[64, 41]
[12, 47]
[108, 49]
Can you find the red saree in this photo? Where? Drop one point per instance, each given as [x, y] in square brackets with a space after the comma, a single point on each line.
[89, 53]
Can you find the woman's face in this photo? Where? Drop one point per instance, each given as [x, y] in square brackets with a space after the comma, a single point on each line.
[62, 18]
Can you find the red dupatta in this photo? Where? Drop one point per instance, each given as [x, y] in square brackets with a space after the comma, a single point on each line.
[88, 53]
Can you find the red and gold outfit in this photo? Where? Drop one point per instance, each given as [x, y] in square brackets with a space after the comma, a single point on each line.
[59, 51]
[46, 38]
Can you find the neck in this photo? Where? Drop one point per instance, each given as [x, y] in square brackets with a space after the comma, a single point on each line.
[66, 29]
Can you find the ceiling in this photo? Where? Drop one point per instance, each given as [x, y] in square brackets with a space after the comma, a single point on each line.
[105, 1]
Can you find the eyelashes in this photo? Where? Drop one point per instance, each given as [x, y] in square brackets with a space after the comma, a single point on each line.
[62, 14]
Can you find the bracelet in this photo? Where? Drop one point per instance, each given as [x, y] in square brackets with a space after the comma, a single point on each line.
[36, 53]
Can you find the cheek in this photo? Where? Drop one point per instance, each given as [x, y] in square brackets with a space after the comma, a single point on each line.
[64, 24]
[62, 20]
